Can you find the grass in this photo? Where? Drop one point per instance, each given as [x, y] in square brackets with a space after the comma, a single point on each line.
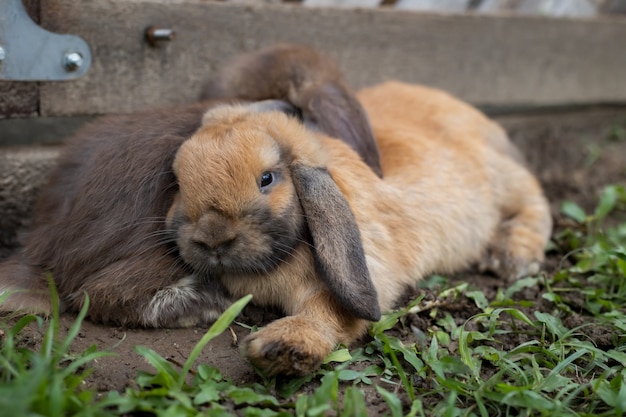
[550, 345]
[46, 382]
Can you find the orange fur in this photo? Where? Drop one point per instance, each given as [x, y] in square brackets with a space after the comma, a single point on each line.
[453, 193]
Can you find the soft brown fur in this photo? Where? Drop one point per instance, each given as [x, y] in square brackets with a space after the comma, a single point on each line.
[159, 248]
[99, 227]
[454, 193]
[100, 224]
[307, 79]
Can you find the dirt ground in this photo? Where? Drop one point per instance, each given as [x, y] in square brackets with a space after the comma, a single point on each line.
[573, 155]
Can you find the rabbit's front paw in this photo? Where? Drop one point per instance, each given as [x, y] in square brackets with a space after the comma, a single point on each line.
[290, 346]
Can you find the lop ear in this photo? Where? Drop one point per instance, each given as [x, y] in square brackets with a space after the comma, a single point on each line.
[333, 110]
[338, 250]
[310, 81]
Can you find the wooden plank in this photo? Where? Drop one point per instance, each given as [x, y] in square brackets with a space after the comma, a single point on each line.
[490, 61]
[18, 99]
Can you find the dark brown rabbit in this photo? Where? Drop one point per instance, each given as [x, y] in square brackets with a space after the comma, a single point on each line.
[308, 80]
[99, 225]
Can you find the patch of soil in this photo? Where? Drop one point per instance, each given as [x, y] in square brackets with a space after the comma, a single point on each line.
[114, 373]
[589, 147]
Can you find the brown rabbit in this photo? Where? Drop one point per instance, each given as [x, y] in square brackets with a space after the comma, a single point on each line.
[100, 230]
[99, 226]
[306, 79]
[270, 205]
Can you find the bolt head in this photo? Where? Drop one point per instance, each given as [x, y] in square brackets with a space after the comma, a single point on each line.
[3, 54]
[154, 35]
[73, 61]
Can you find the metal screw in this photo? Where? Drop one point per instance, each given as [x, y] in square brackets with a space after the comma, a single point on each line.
[3, 54]
[155, 34]
[73, 61]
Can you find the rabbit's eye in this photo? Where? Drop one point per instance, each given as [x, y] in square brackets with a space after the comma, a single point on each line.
[267, 178]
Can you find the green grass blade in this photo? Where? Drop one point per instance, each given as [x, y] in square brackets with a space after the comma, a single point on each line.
[389, 350]
[53, 330]
[556, 371]
[354, 403]
[168, 375]
[75, 328]
[23, 322]
[466, 352]
[216, 329]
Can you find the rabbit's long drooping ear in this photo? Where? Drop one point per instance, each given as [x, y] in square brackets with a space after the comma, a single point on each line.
[333, 110]
[307, 79]
[338, 250]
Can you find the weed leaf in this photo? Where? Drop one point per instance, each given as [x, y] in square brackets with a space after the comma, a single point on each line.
[573, 211]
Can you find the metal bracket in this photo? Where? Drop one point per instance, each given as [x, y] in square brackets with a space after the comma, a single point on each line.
[30, 53]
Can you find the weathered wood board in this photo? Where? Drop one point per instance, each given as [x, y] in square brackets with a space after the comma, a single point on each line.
[490, 61]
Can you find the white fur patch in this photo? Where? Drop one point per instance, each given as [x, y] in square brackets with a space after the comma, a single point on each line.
[171, 299]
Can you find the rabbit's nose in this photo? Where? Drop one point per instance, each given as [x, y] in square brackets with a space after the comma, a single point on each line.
[219, 242]
[213, 231]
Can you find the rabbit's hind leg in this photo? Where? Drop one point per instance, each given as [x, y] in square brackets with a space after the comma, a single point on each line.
[24, 288]
[518, 244]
